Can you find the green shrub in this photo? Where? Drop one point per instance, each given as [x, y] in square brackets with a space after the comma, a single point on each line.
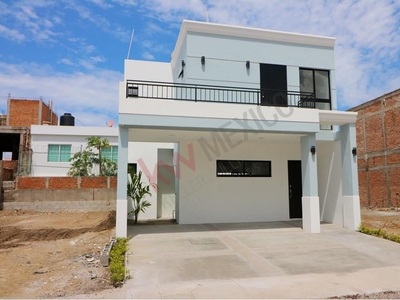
[117, 261]
[379, 233]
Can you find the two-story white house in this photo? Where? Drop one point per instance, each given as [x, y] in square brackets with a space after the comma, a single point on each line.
[253, 115]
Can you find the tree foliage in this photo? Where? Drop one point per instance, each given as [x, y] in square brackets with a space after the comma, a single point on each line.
[137, 191]
[83, 162]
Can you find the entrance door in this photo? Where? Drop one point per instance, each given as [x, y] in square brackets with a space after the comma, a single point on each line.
[273, 84]
[295, 189]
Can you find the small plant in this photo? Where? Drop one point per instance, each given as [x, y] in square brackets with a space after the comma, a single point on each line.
[137, 191]
[117, 261]
[379, 233]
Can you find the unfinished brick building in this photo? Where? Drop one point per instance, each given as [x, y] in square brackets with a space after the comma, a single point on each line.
[26, 112]
[15, 131]
[378, 150]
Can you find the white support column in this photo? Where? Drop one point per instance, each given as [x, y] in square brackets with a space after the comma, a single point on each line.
[122, 202]
[177, 148]
[310, 199]
[351, 199]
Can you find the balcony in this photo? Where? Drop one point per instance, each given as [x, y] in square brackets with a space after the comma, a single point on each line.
[219, 94]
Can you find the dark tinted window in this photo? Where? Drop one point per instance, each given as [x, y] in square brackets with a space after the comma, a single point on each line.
[243, 168]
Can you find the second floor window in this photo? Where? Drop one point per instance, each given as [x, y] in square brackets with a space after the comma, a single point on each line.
[110, 153]
[317, 82]
[59, 153]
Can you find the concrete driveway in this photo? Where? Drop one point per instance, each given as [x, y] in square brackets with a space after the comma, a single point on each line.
[257, 260]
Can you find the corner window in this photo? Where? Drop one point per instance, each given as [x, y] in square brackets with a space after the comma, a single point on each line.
[317, 82]
[243, 168]
[59, 153]
[111, 153]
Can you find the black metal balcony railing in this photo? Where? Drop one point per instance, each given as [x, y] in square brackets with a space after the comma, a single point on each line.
[225, 94]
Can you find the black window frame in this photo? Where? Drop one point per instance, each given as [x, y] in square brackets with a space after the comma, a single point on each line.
[132, 168]
[240, 168]
[320, 100]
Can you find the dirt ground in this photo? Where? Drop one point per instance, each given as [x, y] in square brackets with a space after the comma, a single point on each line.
[387, 219]
[55, 254]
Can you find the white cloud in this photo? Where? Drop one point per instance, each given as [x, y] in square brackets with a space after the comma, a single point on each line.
[89, 48]
[101, 22]
[101, 3]
[97, 59]
[23, 17]
[148, 56]
[126, 2]
[92, 97]
[12, 34]
[67, 62]
[175, 11]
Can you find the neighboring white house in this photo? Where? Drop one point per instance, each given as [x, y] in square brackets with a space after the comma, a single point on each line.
[253, 115]
[53, 146]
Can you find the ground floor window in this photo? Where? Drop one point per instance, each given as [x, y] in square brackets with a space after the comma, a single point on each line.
[243, 168]
[59, 153]
[110, 153]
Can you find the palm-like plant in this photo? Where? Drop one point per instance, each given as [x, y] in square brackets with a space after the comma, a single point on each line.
[137, 191]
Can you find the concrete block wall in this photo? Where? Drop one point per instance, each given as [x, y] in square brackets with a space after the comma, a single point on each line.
[378, 151]
[62, 193]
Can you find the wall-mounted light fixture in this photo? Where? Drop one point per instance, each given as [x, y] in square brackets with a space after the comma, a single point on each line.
[203, 60]
[312, 150]
[248, 64]
[354, 151]
[183, 66]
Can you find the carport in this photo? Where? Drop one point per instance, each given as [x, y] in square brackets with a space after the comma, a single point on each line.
[272, 137]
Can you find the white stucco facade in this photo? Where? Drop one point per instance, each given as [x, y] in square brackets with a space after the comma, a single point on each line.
[43, 135]
[209, 103]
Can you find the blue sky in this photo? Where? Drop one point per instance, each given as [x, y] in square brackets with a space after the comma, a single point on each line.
[72, 51]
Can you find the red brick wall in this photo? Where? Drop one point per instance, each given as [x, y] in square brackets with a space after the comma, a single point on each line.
[10, 164]
[394, 174]
[113, 182]
[24, 183]
[26, 113]
[9, 169]
[378, 151]
[48, 116]
[94, 182]
[63, 183]
[23, 112]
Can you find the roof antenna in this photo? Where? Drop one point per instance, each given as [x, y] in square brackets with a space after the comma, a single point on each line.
[207, 19]
[130, 44]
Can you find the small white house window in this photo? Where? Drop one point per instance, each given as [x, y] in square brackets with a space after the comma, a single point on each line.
[110, 153]
[59, 153]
